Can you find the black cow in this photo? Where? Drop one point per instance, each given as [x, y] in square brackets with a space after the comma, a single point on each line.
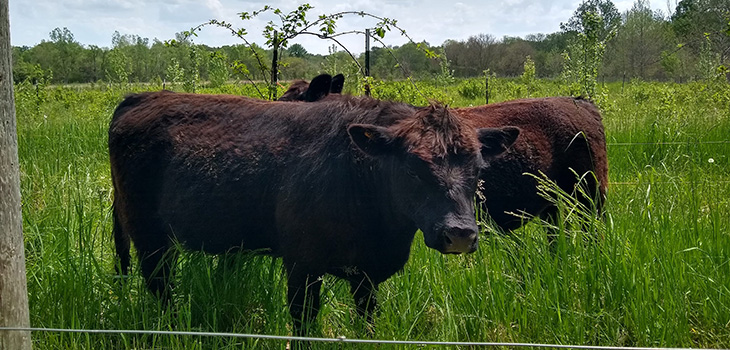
[336, 187]
[321, 86]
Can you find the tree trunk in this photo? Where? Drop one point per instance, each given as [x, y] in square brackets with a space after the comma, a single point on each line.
[13, 294]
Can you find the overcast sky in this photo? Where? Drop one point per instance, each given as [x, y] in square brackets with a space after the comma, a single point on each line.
[94, 21]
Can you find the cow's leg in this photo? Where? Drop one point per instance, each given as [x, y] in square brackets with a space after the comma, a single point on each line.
[586, 192]
[121, 244]
[591, 198]
[156, 258]
[303, 290]
[551, 215]
[227, 262]
[363, 291]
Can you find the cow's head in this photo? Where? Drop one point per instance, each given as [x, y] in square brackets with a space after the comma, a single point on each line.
[321, 86]
[430, 164]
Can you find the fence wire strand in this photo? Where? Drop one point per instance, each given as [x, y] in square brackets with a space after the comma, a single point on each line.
[669, 143]
[328, 340]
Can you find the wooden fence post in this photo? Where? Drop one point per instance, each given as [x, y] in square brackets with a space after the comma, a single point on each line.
[486, 85]
[13, 289]
[367, 60]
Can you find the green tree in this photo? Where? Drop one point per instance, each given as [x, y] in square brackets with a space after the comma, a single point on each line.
[512, 53]
[414, 63]
[91, 63]
[159, 58]
[636, 50]
[708, 61]
[581, 23]
[298, 68]
[585, 54]
[671, 64]
[65, 54]
[218, 68]
[697, 21]
[548, 53]
[383, 64]
[472, 56]
[297, 50]
[528, 76]
[117, 70]
[191, 76]
[136, 49]
[174, 73]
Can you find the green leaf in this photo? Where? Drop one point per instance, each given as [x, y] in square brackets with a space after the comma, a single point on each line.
[240, 67]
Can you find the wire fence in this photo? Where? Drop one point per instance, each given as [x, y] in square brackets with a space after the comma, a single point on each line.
[341, 339]
[674, 143]
[636, 183]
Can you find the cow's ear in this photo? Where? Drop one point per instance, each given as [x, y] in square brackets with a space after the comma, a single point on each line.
[338, 82]
[319, 87]
[497, 140]
[371, 139]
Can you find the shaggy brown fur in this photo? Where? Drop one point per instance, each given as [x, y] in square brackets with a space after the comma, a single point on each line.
[437, 133]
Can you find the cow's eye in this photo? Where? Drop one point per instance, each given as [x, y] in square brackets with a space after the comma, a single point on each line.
[413, 174]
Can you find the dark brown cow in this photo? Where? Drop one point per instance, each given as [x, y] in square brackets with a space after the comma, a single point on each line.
[558, 134]
[321, 86]
[336, 187]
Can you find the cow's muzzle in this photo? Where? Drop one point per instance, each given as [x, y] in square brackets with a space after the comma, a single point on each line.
[460, 240]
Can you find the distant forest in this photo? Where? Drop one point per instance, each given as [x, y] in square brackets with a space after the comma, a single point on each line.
[689, 44]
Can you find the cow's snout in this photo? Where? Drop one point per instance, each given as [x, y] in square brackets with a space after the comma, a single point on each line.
[460, 240]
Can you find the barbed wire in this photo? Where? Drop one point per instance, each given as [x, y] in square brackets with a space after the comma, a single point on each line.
[340, 339]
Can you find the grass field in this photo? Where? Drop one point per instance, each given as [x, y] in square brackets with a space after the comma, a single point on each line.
[659, 277]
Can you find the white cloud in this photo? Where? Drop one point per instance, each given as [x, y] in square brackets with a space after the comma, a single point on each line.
[94, 21]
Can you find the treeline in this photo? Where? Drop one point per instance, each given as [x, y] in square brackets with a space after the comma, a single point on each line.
[691, 43]
[641, 43]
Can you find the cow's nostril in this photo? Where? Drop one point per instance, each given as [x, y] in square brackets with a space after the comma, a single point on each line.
[448, 240]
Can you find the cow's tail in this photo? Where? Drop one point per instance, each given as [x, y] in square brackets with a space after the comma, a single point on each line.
[590, 168]
[121, 238]
[593, 145]
[121, 243]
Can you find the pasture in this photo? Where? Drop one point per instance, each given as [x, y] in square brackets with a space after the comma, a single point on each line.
[659, 275]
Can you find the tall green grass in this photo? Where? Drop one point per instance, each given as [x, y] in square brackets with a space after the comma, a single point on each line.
[656, 272]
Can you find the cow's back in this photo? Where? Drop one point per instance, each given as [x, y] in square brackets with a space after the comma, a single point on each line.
[167, 152]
